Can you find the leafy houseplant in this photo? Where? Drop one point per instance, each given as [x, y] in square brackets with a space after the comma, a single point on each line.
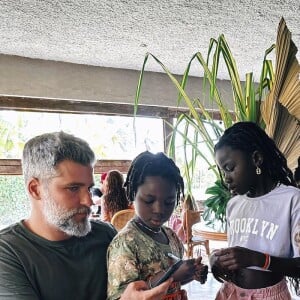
[216, 206]
[246, 107]
[199, 124]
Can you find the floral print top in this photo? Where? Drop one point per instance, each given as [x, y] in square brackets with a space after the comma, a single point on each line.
[133, 255]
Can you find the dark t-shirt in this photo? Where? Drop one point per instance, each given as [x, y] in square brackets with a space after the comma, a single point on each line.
[34, 268]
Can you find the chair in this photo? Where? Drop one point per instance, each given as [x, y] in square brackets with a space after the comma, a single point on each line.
[191, 217]
[120, 218]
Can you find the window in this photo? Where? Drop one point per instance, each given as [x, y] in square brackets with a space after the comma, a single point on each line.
[111, 137]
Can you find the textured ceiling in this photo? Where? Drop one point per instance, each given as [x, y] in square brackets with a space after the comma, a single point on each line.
[117, 34]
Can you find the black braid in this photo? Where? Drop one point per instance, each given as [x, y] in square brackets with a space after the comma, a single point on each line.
[149, 164]
[249, 137]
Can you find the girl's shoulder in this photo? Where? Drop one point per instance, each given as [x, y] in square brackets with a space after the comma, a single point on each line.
[127, 237]
[287, 191]
[290, 188]
[131, 234]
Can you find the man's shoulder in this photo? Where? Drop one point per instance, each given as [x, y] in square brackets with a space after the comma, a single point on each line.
[9, 231]
[10, 239]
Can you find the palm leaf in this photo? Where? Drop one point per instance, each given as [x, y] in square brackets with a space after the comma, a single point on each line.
[281, 109]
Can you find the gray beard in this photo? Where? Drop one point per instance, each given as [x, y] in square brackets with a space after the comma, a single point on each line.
[63, 219]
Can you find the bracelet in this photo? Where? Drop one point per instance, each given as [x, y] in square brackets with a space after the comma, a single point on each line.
[267, 261]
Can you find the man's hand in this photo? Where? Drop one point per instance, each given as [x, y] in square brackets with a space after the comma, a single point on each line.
[139, 290]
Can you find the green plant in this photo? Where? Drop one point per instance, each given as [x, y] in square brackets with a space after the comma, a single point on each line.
[200, 125]
[216, 206]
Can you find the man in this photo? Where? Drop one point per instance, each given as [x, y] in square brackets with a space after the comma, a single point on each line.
[58, 253]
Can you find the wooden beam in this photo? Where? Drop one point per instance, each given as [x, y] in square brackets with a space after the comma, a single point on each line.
[10, 167]
[109, 164]
[56, 105]
[83, 107]
[14, 166]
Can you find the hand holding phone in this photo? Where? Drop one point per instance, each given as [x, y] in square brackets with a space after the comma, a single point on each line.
[168, 273]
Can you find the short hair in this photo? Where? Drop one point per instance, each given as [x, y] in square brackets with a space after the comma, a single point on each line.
[43, 153]
[149, 164]
[249, 137]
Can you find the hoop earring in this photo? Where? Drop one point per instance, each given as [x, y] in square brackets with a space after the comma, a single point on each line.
[258, 170]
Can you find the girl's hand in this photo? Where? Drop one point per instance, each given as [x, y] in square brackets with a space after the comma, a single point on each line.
[191, 269]
[221, 274]
[235, 258]
[201, 273]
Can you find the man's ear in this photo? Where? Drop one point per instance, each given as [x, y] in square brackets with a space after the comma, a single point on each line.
[257, 158]
[34, 188]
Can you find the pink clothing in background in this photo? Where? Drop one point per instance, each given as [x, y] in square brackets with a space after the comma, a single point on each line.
[175, 223]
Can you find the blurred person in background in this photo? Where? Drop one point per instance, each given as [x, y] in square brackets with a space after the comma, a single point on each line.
[96, 197]
[114, 196]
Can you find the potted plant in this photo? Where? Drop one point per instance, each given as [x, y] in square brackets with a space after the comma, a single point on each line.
[199, 124]
[215, 205]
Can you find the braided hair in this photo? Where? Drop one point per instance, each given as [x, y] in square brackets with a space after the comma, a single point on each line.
[115, 198]
[249, 137]
[149, 164]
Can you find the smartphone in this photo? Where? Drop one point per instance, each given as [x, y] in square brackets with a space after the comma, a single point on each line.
[169, 273]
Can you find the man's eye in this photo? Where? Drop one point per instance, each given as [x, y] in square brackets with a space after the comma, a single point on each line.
[73, 188]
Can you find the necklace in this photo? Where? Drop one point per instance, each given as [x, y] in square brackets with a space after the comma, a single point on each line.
[146, 227]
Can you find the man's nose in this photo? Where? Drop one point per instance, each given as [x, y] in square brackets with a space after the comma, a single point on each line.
[86, 199]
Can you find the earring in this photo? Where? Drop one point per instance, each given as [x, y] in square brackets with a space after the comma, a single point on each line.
[258, 170]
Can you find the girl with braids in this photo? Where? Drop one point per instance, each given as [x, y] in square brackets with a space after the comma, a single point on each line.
[114, 197]
[140, 250]
[263, 218]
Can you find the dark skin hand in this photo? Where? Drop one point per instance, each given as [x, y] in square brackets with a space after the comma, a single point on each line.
[191, 269]
[235, 258]
[230, 265]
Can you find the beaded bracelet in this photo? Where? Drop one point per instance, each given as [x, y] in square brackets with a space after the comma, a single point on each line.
[267, 261]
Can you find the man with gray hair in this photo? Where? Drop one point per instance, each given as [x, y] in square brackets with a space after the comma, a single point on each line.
[58, 253]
